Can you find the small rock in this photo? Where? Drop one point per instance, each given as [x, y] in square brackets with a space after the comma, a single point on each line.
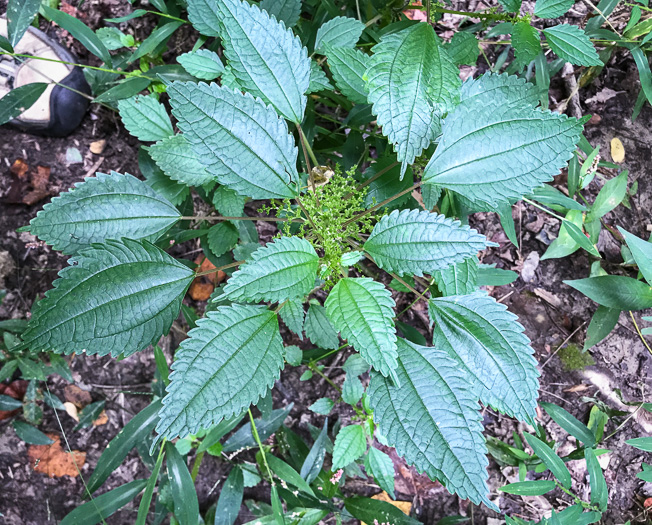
[530, 265]
[98, 146]
[73, 156]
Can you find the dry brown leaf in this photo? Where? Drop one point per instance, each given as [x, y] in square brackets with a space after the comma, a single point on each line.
[98, 146]
[202, 287]
[577, 388]
[78, 397]
[54, 461]
[102, 419]
[71, 410]
[19, 168]
[41, 178]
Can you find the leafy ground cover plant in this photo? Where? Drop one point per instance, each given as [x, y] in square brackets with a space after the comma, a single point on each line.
[433, 150]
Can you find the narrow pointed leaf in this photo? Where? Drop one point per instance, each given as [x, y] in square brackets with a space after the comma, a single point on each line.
[569, 423]
[283, 269]
[104, 207]
[367, 510]
[363, 311]
[230, 500]
[20, 14]
[203, 64]
[552, 460]
[411, 81]
[314, 461]
[381, 467]
[491, 153]
[267, 60]
[641, 251]
[530, 488]
[445, 439]
[184, 495]
[104, 505]
[417, 242]
[599, 490]
[115, 298]
[138, 429]
[229, 361]
[348, 66]
[242, 142]
[572, 44]
[30, 434]
[287, 11]
[145, 118]
[490, 346]
[615, 291]
[20, 99]
[340, 31]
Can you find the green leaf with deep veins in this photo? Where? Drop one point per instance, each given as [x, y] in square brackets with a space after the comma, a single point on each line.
[459, 278]
[242, 142]
[340, 31]
[266, 59]
[411, 82]
[227, 363]
[117, 298]
[283, 269]
[500, 89]
[178, 161]
[491, 348]
[103, 207]
[572, 44]
[203, 64]
[348, 66]
[433, 419]
[363, 311]
[491, 153]
[417, 242]
[287, 11]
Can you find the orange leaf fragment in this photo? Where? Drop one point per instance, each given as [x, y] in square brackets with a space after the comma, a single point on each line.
[54, 461]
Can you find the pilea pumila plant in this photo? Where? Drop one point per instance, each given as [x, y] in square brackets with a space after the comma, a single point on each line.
[423, 149]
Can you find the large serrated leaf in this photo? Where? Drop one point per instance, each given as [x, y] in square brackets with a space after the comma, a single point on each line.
[491, 348]
[500, 89]
[177, 159]
[363, 311]
[491, 153]
[115, 298]
[572, 44]
[105, 207]
[411, 81]
[283, 269]
[241, 141]
[340, 31]
[433, 420]
[228, 362]
[266, 59]
[552, 8]
[458, 279]
[417, 242]
[348, 66]
[287, 11]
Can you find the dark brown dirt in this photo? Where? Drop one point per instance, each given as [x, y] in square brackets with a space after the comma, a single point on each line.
[551, 312]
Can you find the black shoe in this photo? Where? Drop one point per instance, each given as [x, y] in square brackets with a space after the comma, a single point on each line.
[59, 110]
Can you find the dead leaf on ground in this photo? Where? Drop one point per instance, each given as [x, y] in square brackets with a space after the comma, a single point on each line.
[54, 461]
[202, 287]
[617, 150]
[75, 395]
[102, 419]
[71, 410]
[40, 179]
[98, 146]
[577, 388]
[19, 168]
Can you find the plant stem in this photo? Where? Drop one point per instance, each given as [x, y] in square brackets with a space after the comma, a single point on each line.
[372, 179]
[640, 334]
[306, 145]
[208, 272]
[221, 218]
[315, 369]
[195, 466]
[551, 213]
[254, 431]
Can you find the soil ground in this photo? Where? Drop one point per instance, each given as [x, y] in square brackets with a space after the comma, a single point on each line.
[551, 312]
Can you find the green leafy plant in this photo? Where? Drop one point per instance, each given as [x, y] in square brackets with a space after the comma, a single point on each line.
[346, 211]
